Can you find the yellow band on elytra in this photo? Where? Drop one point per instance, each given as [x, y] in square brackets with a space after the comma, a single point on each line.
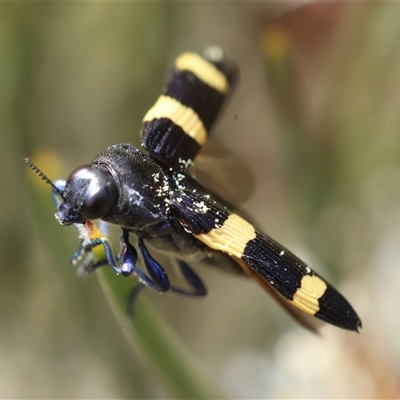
[204, 70]
[232, 237]
[306, 297]
[185, 117]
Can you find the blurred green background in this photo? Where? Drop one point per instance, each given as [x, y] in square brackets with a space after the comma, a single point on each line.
[315, 115]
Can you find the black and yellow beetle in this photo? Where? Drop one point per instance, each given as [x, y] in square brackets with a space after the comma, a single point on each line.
[154, 196]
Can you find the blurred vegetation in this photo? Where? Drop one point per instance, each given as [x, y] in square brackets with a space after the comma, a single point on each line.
[315, 115]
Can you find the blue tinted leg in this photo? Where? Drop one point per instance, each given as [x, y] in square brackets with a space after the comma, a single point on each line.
[123, 265]
[144, 281]
[189, 275]
[128, 255]
[155, 270]
[110, 257]
[193, 280]
[127, 258]
[159, 280]
[133, 298]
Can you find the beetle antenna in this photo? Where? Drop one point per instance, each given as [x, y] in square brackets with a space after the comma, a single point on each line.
[43, 176]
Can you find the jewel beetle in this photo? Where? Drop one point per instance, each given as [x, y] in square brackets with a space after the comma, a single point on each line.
[154, 197]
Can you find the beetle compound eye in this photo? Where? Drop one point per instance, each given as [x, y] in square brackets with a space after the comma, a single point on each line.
[101, 197]
[99, 203]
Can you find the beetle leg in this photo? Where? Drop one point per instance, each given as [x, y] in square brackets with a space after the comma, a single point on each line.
[133, 298]
[128, 255]
[91, 238]
[199, 289]
[190, 276]
[155, 270]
